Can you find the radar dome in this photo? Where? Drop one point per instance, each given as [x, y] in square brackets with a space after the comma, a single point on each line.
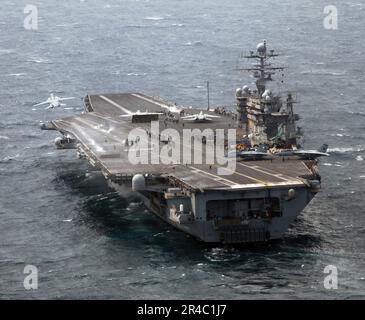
[245, 89]
[261, 48]
[57, 140]
[266, 93]
[138, 182]
[238, 92]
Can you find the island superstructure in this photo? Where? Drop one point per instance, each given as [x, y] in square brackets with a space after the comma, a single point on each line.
[272, 182]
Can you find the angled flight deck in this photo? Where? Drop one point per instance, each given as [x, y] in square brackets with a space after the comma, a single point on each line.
[102, 131]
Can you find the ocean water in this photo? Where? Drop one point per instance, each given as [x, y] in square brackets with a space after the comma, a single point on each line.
[89, 242]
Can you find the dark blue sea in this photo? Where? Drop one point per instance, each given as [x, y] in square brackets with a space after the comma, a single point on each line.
[89, 242]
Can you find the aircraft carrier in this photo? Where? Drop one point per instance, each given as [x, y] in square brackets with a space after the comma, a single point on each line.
[273, 178]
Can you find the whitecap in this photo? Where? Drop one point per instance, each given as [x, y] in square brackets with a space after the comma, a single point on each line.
[6, 51]
[38, 60]
[136, 74]
[343, 150]
[154, 18]
[17, 74]
[9, 158]
[359, 158]
[4, 137]
[324, 72]
[328, 164]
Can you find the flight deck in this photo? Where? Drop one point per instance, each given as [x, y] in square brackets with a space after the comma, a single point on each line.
[102, 130]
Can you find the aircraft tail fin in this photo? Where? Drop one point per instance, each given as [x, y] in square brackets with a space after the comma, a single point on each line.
[323, 148]
[262, 148]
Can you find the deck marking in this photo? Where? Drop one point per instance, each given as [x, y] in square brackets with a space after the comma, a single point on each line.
[116, 105]
[106, 134]
[95, 114]
[262, 171]
[280, 175]
[213, 175]
[160, 104]
[216, 180]
[247, 176]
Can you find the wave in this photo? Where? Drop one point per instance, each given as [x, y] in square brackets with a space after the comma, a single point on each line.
[362, 114]
[328, 164]
[39, 60]
[344, 150]
[195, 43]
[136, 74]
[178, 25]
[17, 74]
[6, 51]
[340, 135]
[359, 158]
[9, 158]
[154, 18]
[4, 137]
[324, 72]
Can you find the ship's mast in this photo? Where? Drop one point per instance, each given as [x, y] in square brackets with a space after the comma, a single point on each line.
[262, 70]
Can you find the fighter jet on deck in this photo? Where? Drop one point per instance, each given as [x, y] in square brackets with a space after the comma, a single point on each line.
[199, 117]
[306, 154]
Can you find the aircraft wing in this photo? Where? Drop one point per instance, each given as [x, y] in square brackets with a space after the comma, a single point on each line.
[248, 155]
[211, 116]
[189, 117]
[310, 154]
[41, 104]
[69, 98]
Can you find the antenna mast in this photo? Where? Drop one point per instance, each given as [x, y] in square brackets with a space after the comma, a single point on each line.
[208, 95]
[262, 70]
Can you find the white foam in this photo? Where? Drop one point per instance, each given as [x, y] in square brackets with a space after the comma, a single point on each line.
[38, 60]
[154, 18]
[9, 158]
[359, 158]
[17, 74]
[344, 150]
[4, 137]
[328, 164]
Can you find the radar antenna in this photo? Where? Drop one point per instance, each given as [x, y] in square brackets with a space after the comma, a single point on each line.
[262, 70]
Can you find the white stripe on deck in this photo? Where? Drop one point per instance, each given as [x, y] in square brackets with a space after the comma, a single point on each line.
[116, 105]
[162, 105]
[278, 175]
[216, 178]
